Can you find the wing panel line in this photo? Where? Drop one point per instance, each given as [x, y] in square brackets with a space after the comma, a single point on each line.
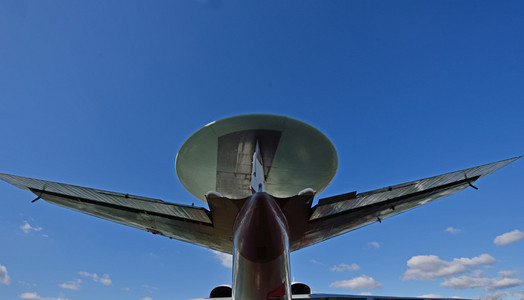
[42, 194]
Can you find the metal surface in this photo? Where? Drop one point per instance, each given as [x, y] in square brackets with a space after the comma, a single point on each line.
[361, 297]
[186, 223]
[218, 157]
[261, 251]
[260, 229]
[213, 228]
[124, 201]
[235, 157]
[335, 218]
[349, 297]
[258, 182]
[383, 194]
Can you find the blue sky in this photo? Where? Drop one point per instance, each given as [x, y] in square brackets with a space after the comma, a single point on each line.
[103, 94]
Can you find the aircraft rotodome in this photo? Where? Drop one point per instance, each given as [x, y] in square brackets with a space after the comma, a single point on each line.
[258, 174]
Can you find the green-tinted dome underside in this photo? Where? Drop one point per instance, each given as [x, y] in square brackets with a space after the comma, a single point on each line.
[218, 156]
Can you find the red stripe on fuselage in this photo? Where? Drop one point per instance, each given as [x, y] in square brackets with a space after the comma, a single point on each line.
[278, 293]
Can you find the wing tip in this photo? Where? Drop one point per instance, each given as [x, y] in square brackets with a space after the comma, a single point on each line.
[14, 180]
[492, 167]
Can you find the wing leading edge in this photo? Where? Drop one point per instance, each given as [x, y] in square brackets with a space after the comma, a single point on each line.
[213, 228]
[362, 297]
[187, 223]
[348, 297]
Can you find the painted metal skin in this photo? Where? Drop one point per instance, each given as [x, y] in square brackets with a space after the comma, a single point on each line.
[261, 251]
[218, 157]
[259, 229]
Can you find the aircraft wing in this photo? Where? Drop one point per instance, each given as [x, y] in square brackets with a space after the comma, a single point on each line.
[343, 213]
[360, 297]
[347, 297]
[187, 223]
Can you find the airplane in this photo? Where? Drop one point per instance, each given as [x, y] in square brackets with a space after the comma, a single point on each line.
[258, 175]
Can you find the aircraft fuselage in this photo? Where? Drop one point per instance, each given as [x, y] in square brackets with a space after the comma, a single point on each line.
[259, 175]
[261, 251]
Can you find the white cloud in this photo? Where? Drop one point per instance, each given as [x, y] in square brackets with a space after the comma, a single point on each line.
[499, 295]
[509, 238]
[4, 277]
[72, 285]
[374, 244]
[366, 294]
[425, 267]
[34, 296]
[430, 296]
[508, 273]
[27, 228]
[150, 287]
[453, 230]
[29, 296]
[104, 279]
[147, 298]
[465, 282]
[503, 283]
[361, 282]
[316, 262]
[344, 267]
[477, 280]
[26, 283]
[226, 259]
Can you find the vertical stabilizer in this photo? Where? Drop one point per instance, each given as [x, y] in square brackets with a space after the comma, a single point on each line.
[257, 172]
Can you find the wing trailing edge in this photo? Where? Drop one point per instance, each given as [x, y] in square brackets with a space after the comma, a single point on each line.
[347, 297]
[213, 228]
[186, 223]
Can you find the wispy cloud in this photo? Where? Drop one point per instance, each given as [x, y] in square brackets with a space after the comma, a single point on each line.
[508, 273]
[4, 277]
[361, 282]
[147, 298]
[149, 287]
[35, 296]
[27, 284]
[499, 295]
[430, 296]
[225, 259]
[453, 230]
[509, 238]
[104, 279]
[344, 267]
[478, 280]
[425, 267]
[374, 245]
[27, 228]
[316, 262]
[28, 295]
[72, 285]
